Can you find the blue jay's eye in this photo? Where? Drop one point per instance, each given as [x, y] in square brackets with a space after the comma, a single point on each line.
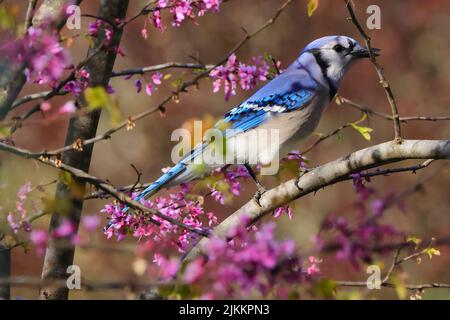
[338, 48]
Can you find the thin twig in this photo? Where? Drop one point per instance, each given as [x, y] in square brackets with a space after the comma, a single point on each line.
[127, 72]
[412, 287]
[29, 14]
[379, 70]
[370, 111]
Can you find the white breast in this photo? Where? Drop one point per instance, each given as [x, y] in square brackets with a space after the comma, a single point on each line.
[279, 134]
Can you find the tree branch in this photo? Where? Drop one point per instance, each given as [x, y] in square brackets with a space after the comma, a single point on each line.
[325, 175]
[386, 116]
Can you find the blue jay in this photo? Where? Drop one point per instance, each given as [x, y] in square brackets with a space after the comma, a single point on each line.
[292, 103]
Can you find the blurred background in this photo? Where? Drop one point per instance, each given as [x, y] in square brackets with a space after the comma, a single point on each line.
[415, 48]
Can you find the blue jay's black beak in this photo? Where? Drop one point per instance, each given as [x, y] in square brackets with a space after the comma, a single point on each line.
[364, 53]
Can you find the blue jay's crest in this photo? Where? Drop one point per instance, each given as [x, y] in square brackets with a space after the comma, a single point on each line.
[291, 103]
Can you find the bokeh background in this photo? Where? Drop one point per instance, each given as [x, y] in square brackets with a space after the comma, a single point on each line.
[415, 46]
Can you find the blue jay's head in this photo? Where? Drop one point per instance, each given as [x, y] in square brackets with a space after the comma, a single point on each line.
[333, 55]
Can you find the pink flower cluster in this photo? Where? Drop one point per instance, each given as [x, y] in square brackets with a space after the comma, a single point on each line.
[95, 27]
[249, 264]
[180, 11]
[356, 243]
[234, 72]
[18, 219]
[66, 230]
[150, 85]
[295, 155]
[20, 211]
[176, 206]
[41, 53]
[229, 182]
[284, 209]
[80, 84]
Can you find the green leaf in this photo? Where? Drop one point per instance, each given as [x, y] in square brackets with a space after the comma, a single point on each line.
[65, 177]
[312, 6]
[432, 251]
[364, 131]
[325, 288]
[114, 113]
[5, 133]
[7, 17]
[414, 240]
[96, 98]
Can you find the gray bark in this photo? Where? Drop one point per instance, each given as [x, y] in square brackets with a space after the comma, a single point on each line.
[5, 270]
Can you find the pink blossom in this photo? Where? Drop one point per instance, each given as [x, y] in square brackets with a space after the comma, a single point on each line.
[94, 27]
[41, 53]
[157, 21]
[108, 34]
[39, 239]
[149, 88]
[20, 210]
[13, 225]
[144, 33]
[233, 71]
[156, 78]
[176, 206]
[213, 5]
[169, 267]
[138, 85]
[295, 155]
[284, 209]
[46, 106]
[217, 195]
[79, 84]
[249, 262]
[163, 3]
[313, 269]
[91, 222]
[194, 271]
[65, 229]
[67, 108]
[110, 89]
[356, 240]
[120, 51]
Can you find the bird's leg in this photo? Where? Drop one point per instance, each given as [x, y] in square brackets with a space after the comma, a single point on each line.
[260, 188]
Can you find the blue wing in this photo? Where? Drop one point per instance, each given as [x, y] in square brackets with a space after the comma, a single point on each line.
[254, 112]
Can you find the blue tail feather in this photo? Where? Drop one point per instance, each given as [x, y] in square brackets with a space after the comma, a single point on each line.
[158, 184]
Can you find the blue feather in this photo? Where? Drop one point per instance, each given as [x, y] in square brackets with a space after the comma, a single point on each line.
[254, 112]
